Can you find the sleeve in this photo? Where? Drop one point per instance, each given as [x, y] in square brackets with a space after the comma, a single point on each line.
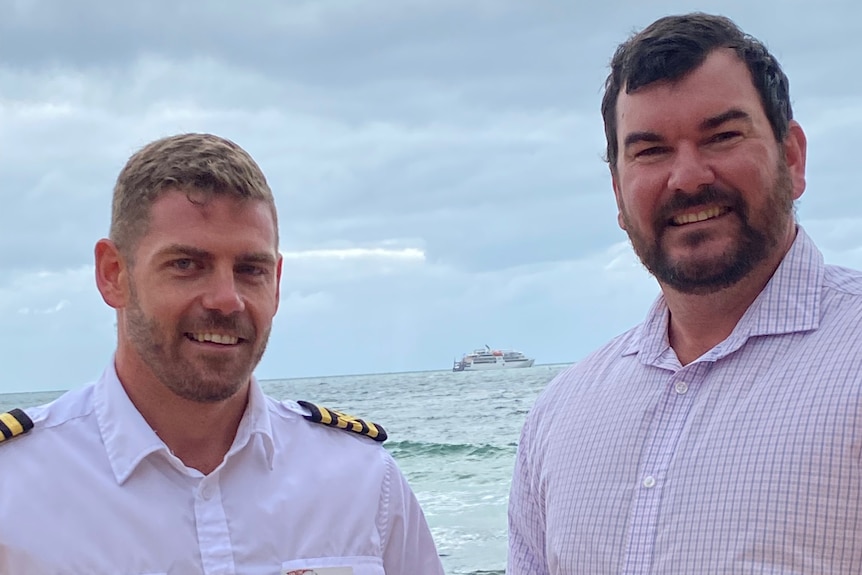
[408, 547]
[526, 513]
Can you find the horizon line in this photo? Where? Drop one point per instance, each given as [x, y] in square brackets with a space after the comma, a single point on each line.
[61, 391]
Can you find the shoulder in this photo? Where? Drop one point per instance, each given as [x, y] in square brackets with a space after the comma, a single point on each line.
[333, 446]
[14, 423]
[843, 280]
[340, 420]
[24, 426]
[599, 361]
[842, 300]
[599, 366]
[330, 420]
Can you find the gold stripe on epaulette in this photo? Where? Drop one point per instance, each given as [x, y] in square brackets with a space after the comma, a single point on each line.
[332, 418]
[14, 423]
[326, 416]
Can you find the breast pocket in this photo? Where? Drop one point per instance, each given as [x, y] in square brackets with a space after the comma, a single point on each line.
[334, 566]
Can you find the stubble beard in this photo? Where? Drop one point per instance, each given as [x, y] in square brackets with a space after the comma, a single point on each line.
[203, 379]
[753, 244]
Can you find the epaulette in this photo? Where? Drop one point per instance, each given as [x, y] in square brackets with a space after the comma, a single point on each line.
[14, 423]
[332, 418]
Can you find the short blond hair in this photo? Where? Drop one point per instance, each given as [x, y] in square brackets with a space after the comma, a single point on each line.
[190, 162]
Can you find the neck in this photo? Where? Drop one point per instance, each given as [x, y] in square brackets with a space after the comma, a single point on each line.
[201, 437]
[698, 325]
[198, 434]
[700, 322]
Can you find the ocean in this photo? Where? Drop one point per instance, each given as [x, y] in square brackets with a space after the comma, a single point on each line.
[454, 435]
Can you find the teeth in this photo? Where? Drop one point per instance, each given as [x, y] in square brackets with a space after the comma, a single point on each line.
[697, 217]
[215, 338]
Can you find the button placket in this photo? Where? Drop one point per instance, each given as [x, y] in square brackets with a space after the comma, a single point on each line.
[213, 532]
[665, 431]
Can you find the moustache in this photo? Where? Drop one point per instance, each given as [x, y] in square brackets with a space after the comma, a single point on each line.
[704, 196]
[234, 324]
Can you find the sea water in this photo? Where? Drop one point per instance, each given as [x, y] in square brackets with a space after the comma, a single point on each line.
[454, 435]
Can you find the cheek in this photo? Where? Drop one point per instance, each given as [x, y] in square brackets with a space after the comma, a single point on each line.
[267, 311]
[161, 306]
[634, 206]
[640, 191]
[261, 304]
[751, 172]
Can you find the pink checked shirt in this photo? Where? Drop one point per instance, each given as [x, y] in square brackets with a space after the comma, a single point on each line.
[747, 460]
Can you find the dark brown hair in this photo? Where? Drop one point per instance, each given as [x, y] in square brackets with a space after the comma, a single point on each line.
[673, 46]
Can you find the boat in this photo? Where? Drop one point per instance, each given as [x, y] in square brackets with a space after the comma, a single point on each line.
[487, 358]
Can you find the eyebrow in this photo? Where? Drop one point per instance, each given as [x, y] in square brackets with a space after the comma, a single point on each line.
[192, 252]
[258, 258]
[183, 250]
[732, 114]
[638, 137]
[706, 125]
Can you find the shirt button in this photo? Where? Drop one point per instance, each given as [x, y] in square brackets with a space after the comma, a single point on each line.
[649, 481]
[681, 387]
[207, 492]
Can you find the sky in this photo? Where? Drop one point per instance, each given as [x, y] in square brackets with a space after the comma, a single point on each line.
[437, 165]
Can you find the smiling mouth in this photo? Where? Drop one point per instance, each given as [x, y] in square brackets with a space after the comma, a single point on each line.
[701, 216]
[216, 338]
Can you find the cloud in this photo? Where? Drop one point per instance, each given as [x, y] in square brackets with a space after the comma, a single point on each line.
[436, 165]
[43, 288]
[404, 254]
[295, 303]
[49, 310]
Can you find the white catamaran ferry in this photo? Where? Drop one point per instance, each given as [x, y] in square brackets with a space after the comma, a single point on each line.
[481, 359]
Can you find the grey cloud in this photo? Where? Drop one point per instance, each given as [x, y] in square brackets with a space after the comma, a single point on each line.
[329, 45]
[436, 312]
[470, 130]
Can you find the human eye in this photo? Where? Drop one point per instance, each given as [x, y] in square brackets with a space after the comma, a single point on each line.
[650, 152]
[726, 136]
[252, 270]
[184, 264]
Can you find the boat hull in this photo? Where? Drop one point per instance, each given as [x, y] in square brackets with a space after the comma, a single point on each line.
[497, 365]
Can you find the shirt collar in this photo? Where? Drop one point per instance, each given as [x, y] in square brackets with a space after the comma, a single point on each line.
[128, 439]
[255, 423]
[790, 302]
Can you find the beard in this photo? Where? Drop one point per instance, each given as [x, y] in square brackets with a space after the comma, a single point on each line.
[755, 240]
[203, 377]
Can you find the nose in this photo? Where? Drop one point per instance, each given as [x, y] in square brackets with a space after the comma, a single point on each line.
[222, 294]
[690, 170]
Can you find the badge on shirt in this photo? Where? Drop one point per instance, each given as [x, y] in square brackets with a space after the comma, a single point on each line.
[320, 571]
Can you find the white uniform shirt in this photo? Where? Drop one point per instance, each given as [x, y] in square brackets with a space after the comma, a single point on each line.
[93, 490]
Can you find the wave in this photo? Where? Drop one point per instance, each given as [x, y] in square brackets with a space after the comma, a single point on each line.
[404, 449]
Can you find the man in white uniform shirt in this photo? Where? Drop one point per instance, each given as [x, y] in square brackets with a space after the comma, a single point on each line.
[174, 461]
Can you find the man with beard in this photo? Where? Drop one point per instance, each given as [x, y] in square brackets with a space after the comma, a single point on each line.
[175, 461]
[723, 435]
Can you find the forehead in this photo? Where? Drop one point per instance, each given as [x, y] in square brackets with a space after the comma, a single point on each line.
[722, 82]
[211, 222]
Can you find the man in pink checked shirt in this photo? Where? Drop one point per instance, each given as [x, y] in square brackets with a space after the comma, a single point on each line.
[722, 435]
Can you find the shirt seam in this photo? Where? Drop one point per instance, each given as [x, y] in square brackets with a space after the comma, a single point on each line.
[383, 513]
